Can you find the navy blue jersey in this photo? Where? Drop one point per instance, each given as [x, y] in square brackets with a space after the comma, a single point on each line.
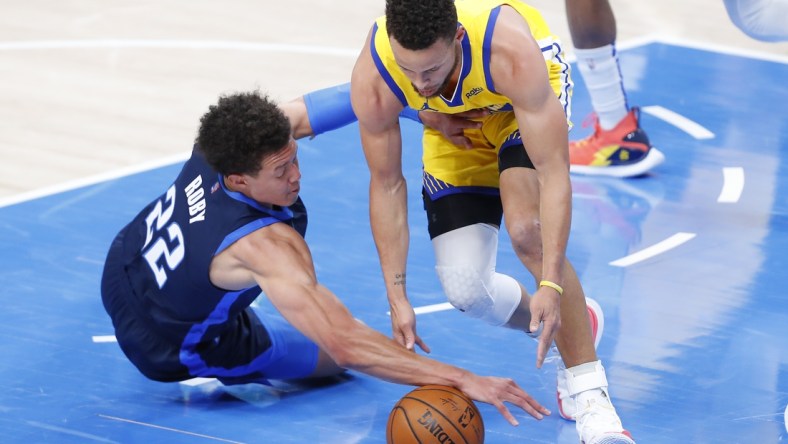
[165, 254]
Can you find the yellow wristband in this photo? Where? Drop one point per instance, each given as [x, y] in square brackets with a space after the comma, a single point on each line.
[552, 285]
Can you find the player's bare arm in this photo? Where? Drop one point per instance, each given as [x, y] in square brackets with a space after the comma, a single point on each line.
[295, 110]
[286, 275]
[378, 116]
[543, 129]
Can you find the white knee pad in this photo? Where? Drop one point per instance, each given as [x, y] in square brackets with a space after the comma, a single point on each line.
[491, 297]
[465, 260]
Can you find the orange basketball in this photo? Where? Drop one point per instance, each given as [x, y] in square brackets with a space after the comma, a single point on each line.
[435, 414]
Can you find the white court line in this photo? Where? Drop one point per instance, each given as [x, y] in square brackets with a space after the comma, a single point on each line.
[688, 126]
[178, 44]
[433, 308]
[430, 308]
[339, 51]
[251, 46]
[732, 185]
[194, 382]
[721, 49]
[658, 248]
[104, 338]
[82, 435]
[92, 180]
[169, 429]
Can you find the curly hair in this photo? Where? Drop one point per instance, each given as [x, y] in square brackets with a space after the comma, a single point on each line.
[242, 129]
[418, 24]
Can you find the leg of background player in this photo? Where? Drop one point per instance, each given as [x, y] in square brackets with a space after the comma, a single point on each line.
[618, 147]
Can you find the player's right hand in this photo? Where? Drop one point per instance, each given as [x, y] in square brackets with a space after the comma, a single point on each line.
[453, 126]
[545, 309]
[496, 391]
[403, 327]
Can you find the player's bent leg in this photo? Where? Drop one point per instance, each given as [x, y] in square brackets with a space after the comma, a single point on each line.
[520, 202]
[293, 355]
[575, 339]
[290, 355]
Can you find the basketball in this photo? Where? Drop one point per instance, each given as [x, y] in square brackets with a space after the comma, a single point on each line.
[435, 414]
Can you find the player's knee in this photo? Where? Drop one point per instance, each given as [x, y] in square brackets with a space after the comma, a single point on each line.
[465, 289]
[479, 294]
[526, 236]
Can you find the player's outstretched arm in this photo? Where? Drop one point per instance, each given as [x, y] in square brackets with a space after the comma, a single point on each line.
[287, 276]
[326, 109]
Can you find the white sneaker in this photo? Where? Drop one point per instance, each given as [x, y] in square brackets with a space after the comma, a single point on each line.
[597, 420]
[566, 405]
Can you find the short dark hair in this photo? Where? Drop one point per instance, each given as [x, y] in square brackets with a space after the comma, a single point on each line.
[238, 132]
[418, 24]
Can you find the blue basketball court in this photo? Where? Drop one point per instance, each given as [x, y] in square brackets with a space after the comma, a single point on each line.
[688, 263]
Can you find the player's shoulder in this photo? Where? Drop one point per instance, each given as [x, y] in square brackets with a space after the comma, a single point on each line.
[511, 30]
[512, 20]
[274, 236]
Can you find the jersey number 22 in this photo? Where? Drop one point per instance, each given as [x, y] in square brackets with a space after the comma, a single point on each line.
[171, 252]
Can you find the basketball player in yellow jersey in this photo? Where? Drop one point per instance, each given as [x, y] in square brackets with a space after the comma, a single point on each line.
[452, 57]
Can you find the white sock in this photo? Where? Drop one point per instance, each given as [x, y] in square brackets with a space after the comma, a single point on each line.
[601, 73]
[583, 369]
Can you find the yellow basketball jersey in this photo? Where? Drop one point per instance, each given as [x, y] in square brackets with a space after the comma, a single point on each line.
[446, 166]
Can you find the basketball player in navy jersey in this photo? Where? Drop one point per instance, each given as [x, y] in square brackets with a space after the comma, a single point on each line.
[180, 277]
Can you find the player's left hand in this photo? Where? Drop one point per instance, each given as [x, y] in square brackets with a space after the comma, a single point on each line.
[545, 309]
[453, 126]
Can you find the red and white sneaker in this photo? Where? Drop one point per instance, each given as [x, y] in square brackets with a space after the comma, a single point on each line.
[585, 398]
[566, 405]
[596, 419]
[623, 151]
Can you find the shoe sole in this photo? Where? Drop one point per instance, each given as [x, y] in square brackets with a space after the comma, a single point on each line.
[652, 159]
[614, 438]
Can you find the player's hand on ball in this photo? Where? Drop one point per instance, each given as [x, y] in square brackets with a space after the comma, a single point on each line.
[494, 390]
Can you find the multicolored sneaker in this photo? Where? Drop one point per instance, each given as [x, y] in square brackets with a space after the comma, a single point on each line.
[566, 404]
[623, 151]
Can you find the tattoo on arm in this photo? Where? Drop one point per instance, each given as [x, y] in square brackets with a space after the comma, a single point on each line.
[399, 279]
